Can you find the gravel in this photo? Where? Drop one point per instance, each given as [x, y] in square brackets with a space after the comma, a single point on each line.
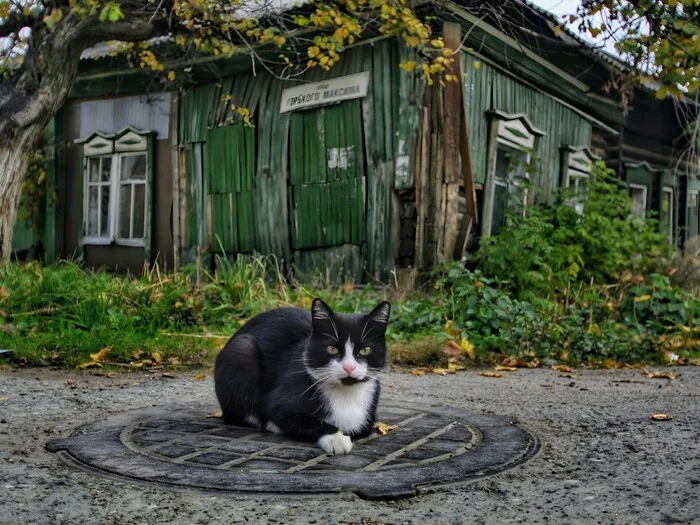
[603, 459]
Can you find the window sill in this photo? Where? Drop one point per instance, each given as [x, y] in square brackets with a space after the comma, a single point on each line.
[129, 243]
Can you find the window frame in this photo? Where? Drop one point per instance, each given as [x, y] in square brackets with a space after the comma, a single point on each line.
[125, 143]
[514, 131]
[98, 239]
[666, 188]
[577, 163]
[645, 188]
[693, 196]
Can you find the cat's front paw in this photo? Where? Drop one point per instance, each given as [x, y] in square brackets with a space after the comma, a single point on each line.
[337, 443]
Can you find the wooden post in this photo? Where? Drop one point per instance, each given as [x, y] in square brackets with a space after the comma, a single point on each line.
[451, 118]
[175, 168]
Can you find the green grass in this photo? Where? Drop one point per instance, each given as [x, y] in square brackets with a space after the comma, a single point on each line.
[62, 313]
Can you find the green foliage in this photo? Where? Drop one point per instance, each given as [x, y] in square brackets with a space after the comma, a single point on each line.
[553, 247]
[36, 189]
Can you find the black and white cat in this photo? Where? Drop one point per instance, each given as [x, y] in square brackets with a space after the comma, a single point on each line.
[311, 376]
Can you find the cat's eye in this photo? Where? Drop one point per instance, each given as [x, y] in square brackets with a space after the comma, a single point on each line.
[332, 350]
[365, 351]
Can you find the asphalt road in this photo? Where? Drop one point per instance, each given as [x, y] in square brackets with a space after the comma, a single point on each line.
[603, 460]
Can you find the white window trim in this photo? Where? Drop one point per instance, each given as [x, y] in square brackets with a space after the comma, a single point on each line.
[515, 132]
[644, 189]
[576, 163]
[127, 142]
[672, 217]
[98, 239]
[517, 183]
[138, 242]
[694, 197]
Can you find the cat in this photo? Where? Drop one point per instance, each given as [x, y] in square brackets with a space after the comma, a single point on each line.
[312, 376]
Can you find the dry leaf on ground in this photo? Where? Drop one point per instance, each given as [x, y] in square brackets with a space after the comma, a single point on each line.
[217, 414]
[567, 376]
[501, 368]
[443, 371]
[91, 364]
[105, 374]
[563, 368]
[658, 375]
[102, 354]
[170, 376]
[418, 371]
[455, 367]
[156, 357]
[452, 351]
[661, 417]
[383, 428]
[5, 398]
[490, 374]
[199, 376]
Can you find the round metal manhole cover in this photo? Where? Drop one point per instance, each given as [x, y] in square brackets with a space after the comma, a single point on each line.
[182, 447]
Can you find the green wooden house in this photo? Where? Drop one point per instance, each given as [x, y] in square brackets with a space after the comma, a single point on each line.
[359, 172]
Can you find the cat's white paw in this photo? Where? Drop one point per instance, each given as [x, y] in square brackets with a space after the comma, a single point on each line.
[337, 443]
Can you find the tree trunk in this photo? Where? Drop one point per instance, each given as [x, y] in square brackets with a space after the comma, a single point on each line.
[14, 154]
[36, 92]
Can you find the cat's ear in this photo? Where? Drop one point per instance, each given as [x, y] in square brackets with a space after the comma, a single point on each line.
[380, 314]
[322, 319]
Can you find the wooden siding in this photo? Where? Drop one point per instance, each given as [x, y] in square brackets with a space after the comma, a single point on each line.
[489, 88]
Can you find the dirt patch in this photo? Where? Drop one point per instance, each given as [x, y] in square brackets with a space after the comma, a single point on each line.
[603, 458]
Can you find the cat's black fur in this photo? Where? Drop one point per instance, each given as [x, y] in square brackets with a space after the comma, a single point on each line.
[277, 369]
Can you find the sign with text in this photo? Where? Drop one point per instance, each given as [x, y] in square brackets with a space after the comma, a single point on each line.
[326, 92]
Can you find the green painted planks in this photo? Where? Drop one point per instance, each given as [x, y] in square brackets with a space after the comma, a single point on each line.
[328, 214]
[230, 158]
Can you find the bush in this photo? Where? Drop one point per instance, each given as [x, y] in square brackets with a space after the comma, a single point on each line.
[553, 247]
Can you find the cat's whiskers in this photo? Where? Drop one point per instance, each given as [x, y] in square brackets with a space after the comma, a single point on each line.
[321, 379]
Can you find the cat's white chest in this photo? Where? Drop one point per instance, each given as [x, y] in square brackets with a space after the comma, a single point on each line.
[348, 407]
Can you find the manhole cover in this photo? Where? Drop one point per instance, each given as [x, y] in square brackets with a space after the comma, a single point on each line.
[182, 447]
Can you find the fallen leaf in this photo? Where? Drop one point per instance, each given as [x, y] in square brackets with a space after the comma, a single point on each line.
[91, 364]
[105, 374]
[442, 371]
[642, 298]
[137, 355]
[199, 376]
[383, 428]
[661, 417]
[501, 368]
[658, 375]
[568, 376]
[174, 361]
[467, 347]
[5, 398]
[608, 363]
[156, 357]
[510, 362]
[695, 362]
[418, 372]
[217, 414]
[563, 368]
[102, 354]
[168, 375]
[490, 374]
[452, 351]
[455, 367]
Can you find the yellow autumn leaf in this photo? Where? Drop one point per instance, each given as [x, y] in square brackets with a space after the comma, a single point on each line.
[450, 330]
[217, 414]
[658, 375]
[501, 368]
[455, 367]
[157, 357]
[661, 417]
[642, 298]
[563, 369]
[171, 76]
[467, 347]
[436, 42]
[102, 354]
[199, 376]
[490, 374]
[442, 371]
[90, 364]
[314, 51]
[477, 65]
[418, 372]
[5, 398]
[383, 428]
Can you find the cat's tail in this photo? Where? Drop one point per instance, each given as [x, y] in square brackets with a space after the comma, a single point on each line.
[236, 381]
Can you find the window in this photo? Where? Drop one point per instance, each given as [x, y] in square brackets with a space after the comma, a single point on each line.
[693, 221]
[510, 191]
[576, 170]
[638, 192]
[667, 215]
[513, 139]
[116, 188]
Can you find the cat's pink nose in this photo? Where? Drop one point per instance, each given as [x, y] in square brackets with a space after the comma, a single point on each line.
[349, 367]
